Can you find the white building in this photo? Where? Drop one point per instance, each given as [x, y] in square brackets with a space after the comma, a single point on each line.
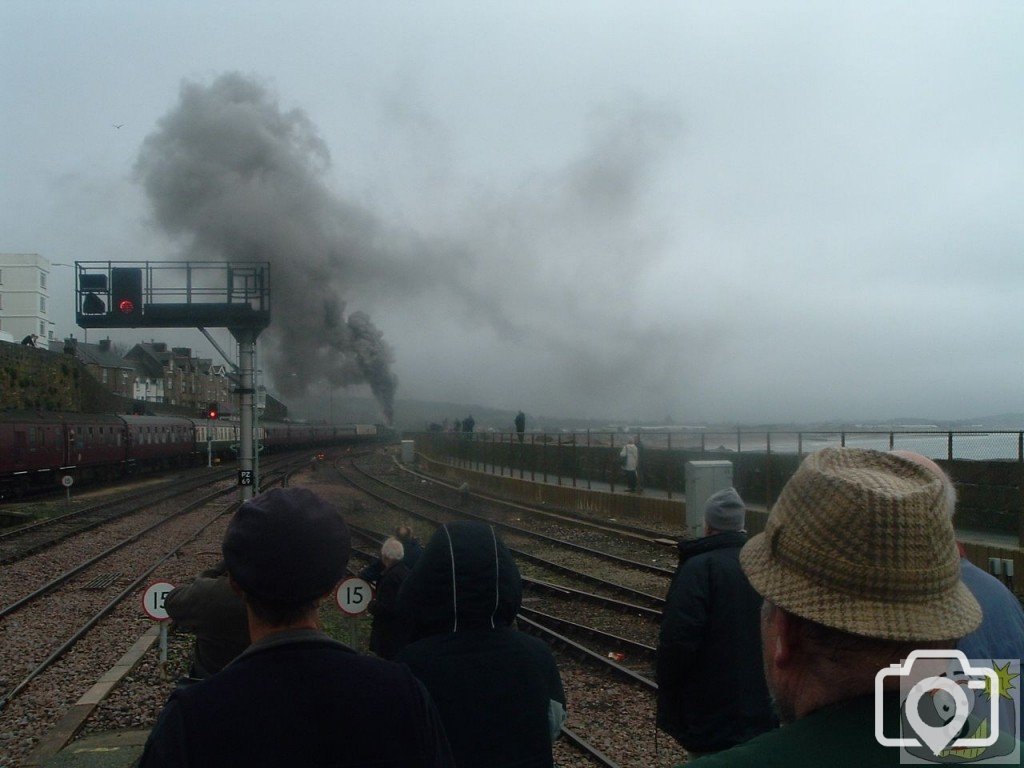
[24, 298]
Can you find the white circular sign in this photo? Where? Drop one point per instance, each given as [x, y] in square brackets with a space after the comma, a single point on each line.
[153, 600]
[67, 481]
[354, 596]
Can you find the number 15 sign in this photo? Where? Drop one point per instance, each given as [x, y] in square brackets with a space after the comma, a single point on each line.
[354, 596]
[153, 600]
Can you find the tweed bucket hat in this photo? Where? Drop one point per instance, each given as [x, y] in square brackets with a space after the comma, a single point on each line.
[860, 541]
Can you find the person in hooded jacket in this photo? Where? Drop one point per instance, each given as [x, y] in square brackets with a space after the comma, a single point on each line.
[712, 693]
[498, 690]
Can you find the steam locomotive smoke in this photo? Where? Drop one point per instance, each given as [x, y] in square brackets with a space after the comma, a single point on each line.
[236, 179]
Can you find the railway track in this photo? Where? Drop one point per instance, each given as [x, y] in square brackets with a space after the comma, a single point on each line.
[611, 705]
[25, 540]
[56, 634]
[576, 570]
[622, 660]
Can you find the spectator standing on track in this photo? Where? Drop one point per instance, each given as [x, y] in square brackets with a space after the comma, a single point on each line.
[520, 422]
[295, 696]
[389, 632]
[711, 632]
[1001, 634]
[212, 611]
[410, 546]
[630, 457]
[498, 690]
[858, 567]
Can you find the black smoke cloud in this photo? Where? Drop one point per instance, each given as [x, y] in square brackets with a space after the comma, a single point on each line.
[550, 270]
[235, 178]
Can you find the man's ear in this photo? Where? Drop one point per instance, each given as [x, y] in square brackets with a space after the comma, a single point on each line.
[786, 638]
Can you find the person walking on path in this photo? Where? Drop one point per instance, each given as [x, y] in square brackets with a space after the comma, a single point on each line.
[520, 422]
[630, 457]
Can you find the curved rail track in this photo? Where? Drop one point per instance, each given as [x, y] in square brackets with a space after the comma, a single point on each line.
[624, 620]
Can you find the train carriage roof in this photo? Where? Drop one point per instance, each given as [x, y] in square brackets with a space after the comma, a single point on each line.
[157, 421]
[57, 417]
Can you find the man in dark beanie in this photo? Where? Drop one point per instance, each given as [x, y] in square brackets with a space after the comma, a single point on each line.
[712, 693]
[295, 696]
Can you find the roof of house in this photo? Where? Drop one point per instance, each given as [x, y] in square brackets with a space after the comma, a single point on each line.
[102, 354]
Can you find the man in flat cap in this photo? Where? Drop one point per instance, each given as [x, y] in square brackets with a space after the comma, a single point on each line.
[711, 688]
[295, 696]
[859, 568]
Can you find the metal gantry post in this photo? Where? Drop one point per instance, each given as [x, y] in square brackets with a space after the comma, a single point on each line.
[247, 373]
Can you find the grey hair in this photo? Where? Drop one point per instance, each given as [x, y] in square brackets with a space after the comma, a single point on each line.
[392, 549]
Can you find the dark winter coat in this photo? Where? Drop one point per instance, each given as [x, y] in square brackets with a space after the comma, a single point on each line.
[390, 630]
[712, 693]
[211, 610]
[492, 684]
[300, 698]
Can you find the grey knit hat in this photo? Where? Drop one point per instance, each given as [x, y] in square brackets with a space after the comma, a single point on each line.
[724, 511]
[861, 541]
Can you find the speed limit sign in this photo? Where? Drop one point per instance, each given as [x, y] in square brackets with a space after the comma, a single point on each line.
[153, 600]
[354, 596]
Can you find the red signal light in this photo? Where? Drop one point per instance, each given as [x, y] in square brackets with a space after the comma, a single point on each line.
[126, 306]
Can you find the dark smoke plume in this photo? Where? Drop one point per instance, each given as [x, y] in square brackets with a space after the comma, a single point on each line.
[236, 179]
[549, 269]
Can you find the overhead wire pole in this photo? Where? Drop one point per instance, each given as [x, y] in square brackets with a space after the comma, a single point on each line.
[246, 406]
[256, 403]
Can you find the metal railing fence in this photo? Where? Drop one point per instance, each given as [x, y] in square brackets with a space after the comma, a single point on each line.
[986, 466]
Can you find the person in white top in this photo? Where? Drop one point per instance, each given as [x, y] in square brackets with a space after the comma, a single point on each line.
[630, 460]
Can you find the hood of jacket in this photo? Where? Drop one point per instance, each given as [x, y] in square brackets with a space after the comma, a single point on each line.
[465, 579]
[692, 547]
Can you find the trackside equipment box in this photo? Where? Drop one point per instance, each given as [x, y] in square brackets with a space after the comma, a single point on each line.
[703, 478]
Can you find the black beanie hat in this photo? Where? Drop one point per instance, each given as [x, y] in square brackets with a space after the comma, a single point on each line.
[287, 545]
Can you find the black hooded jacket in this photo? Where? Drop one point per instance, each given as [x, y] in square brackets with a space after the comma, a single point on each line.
[491, 683]
[712, 693]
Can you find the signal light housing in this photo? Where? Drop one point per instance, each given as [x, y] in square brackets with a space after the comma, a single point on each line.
[126, 295]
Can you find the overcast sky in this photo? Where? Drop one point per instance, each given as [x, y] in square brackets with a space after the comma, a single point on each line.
[710, 211]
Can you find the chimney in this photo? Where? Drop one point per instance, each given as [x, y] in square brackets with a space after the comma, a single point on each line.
[71, 346]
[105, 344]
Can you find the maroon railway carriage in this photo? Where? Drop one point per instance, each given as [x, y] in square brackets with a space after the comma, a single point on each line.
[160, 441]
[37, 448]
[97, 446]
[32, 450]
